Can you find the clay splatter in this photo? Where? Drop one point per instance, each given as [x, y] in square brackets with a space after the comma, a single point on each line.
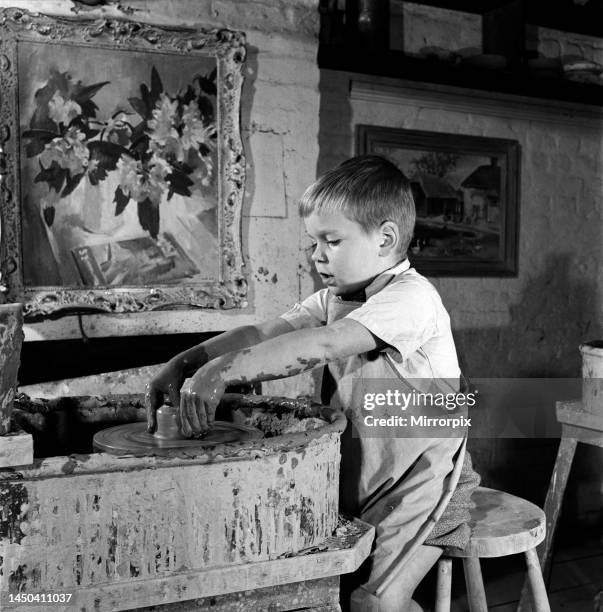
[532, 524]
[21, 579]
[311, 363]
[13, 501]
[306, 518]
[112, 541]
[258, 529]
[69, 466]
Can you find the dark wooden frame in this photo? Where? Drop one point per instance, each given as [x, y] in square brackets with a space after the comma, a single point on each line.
[370, 139]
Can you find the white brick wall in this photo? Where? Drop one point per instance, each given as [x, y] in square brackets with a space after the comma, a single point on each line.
[534, 323]
[558, 289]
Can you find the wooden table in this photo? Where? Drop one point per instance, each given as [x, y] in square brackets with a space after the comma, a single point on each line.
[577, 425]
[308, 580]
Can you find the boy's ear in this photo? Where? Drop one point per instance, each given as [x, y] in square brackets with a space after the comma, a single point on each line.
[390, 237]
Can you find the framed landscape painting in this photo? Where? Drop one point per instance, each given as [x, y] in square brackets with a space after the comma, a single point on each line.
[466, 193]
[124, 169]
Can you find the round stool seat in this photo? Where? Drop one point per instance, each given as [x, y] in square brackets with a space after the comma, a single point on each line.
[501, 524]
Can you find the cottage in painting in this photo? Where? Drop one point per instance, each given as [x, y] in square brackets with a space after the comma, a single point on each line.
[435, 196]
[481, 190]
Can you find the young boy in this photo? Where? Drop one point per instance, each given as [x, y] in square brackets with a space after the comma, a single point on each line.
[377, 319]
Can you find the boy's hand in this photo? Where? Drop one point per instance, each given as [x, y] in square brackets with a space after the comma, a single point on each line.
[166, 383]
[171, 377]
[199, 398]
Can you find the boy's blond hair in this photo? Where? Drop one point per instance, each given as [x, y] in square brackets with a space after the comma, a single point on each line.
[367, 189]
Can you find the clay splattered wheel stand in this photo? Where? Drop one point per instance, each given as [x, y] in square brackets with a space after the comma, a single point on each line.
[133, 438]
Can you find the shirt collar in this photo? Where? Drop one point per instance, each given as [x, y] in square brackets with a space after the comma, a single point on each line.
[379, 282]
[385, 278]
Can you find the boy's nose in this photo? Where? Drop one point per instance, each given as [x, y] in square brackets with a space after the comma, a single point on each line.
[318, 254]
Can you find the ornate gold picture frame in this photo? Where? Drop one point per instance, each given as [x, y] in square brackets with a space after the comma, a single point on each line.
[123, 167]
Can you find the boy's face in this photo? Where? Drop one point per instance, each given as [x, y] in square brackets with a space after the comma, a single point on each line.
[346, 257]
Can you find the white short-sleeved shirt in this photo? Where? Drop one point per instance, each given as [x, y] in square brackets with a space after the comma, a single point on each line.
[403, 309]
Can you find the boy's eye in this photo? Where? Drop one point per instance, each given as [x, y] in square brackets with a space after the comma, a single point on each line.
[333, 242]
[311, 246]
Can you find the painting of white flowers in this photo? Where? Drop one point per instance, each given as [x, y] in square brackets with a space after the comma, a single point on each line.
[120, 173]
[124, 157]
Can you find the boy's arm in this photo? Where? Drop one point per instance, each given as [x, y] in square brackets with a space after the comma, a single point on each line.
[171, 377]
[279, 357]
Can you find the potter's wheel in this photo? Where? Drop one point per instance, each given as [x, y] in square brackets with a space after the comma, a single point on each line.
[133, 438]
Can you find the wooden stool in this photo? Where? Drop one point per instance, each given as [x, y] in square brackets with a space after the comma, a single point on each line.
[501, 525]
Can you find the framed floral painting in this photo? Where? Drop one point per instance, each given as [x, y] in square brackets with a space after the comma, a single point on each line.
[123, 166]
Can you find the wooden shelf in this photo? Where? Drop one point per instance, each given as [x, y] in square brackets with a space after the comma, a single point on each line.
[561, 15]
[396, 64]
[566, 16]
[479, 7]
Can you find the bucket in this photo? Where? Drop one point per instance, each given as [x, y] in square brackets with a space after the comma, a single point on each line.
[592, 376]
[11, 338]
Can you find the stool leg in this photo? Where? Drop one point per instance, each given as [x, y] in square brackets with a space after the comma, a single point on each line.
[541, 600]
[444, 585]
[552, 508]
[475, 585]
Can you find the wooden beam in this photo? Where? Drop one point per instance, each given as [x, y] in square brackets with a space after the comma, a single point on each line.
[316, 595]
[343, 558]
[16, 448]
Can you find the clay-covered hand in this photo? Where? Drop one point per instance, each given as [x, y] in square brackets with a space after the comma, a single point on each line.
[199, 398]
[329, 414]
[166, 383]
[312, 409]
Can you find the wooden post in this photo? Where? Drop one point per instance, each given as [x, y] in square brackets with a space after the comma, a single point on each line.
[503, 31]
[11, 338]
[16, 448]
[541, 601]
[552, 508]
[476, 595]
[444, 585]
